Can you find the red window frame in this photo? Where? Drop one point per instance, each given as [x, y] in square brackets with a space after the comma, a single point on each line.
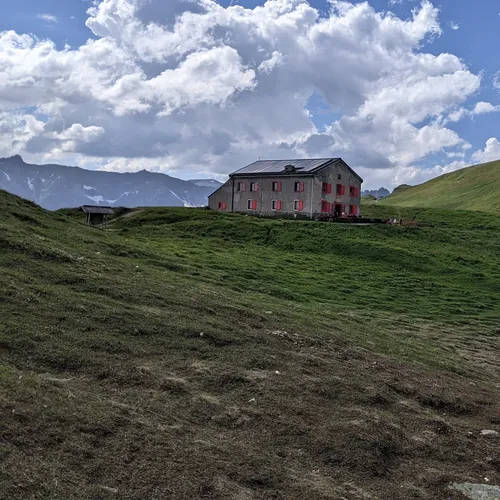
[276, 205]
[241, 187]
[252, 205]
[340, 190]
[327, 188]
[300, 186]
[222, 205]
[277, 185]
[353, 191]
[254, 187]
[353, 210]
[298, 205]
[325, 206]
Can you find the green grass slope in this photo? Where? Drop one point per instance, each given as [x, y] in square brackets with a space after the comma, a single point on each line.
[186, 354]
[472, 188]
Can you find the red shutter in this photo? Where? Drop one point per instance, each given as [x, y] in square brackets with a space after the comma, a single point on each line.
[328, 206]
[243, 186]
[278, 205]
[254, 204]
[301, 187]
[329, 188]
[256, 186]
[343, 191]
[279, 187]
[301, 205]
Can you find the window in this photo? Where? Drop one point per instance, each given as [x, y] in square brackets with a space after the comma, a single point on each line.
[276, 204]
[339, 177]
[241, 186]
[276, 186]
[340, 190]
[298, 205]
[254, 186]
[327, 188]
[298, 187]
[325, 206]
[353, 191]
[353, 210]
[252, 205]
[222, 205]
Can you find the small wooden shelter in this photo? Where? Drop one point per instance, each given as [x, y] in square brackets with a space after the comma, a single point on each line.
[96, 215]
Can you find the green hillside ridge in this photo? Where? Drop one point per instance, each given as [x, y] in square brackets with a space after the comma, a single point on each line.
[185, 354]
[368, 198]
[471, 188]
[401, 188]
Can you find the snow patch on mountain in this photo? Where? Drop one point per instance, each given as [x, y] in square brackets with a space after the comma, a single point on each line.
[206, 183]
[30, 183]
[186, 203]
[89, 188]
[112, 202]
[6, 175]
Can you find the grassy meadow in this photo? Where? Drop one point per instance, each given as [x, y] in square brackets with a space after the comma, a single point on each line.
[188, 354]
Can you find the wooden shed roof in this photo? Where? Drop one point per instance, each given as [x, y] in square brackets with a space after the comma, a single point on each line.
[94, 209]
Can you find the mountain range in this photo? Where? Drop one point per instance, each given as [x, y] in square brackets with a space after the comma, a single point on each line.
[377, 193]
[59, 186]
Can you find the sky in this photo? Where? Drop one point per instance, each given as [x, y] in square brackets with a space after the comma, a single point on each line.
[403, 90]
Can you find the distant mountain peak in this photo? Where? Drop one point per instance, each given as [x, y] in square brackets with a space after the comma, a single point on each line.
[377, 193]
[14, 159]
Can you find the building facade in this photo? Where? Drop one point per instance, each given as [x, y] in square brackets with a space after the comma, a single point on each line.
[302, 187]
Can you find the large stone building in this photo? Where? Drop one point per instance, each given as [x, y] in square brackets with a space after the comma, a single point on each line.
[305, 187]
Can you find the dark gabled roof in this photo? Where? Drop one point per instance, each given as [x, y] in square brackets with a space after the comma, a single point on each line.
[94, 209]
[278, 166]
[282, 167]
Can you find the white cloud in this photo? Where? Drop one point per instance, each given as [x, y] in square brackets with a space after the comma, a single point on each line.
[77, 132]
[496, 80]
[411, 175]
[455, 154]
[194, 85]
[482, 108]
[16, 130]
[454, 26]
[457, 114]
[48, 17]
[491, 152]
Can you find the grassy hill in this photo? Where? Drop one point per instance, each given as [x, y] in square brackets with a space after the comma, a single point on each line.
[472, 188]
[188, 354]
[367, 199]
